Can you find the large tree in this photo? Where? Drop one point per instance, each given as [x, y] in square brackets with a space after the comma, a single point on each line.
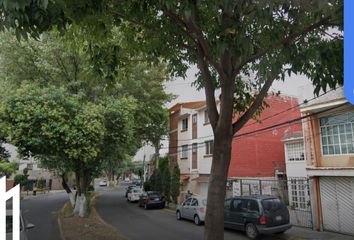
[229, 41]
[67, 133]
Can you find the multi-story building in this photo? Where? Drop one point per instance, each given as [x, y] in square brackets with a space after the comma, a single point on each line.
[254, 156]
[329, 143]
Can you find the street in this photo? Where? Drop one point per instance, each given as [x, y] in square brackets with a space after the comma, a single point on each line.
[136, 223]
[42, 210]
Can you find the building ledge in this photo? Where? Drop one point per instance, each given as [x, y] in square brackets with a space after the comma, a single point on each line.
[330, 171]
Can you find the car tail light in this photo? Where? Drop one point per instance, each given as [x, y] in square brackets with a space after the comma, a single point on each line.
[201, 209]
[262, 220]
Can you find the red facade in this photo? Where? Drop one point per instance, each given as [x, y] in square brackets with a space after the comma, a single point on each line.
[261, 154]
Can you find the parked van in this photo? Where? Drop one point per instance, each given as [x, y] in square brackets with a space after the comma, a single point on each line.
[256, 214]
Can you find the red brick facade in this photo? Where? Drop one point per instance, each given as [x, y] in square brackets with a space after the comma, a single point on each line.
[259, 155]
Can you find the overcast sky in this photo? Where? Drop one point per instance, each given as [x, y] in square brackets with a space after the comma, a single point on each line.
[297, 86]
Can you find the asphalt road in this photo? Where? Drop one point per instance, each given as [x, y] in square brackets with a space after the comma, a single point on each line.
[136, 223]
[42, 210]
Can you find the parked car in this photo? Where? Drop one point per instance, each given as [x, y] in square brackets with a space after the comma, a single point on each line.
[193, 208]
[24, 227]
[258, 214]
[134, 194]
[151, 199]
[137, 182]
[103, 183]
[128, 189]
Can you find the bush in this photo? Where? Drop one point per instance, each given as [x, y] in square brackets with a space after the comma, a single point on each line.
[90, 188]
[175, 183]
[147, 186]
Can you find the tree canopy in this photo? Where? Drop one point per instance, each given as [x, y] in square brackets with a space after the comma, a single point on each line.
[241, 47]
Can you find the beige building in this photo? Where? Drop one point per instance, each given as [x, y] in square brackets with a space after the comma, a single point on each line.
[329, 148]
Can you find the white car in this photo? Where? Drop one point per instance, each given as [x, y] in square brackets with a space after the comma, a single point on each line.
[23, 226]
[134, 194]
[193, 208]
[103, 183]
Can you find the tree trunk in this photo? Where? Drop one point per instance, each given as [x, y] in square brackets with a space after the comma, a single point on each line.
[68, 190]
[214, 227]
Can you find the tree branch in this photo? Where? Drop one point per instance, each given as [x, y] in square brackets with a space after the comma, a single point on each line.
[209, 89]
[236, 126]
[287, 40]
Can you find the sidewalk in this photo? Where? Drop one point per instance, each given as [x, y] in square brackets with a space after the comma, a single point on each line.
[299, 233]
[30, 195]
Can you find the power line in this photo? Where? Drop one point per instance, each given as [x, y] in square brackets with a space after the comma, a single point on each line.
[264, 130]
[271, 116]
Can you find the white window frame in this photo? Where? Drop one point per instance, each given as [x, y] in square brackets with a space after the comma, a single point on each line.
[337, 138]
[299, 194]
[206, 117]
[209, 148]
[184, 124]
[184, 152]
[295, 151]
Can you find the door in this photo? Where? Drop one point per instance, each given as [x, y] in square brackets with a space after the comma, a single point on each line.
[194, 126]
[194, 156]
[236, 214]
[337, 198]
[185, 210]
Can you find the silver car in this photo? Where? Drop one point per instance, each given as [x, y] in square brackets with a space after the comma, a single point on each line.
[23, 226]
[193, 208]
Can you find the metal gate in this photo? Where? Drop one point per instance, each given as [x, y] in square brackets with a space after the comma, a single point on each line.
[337, 198]
[294, 193]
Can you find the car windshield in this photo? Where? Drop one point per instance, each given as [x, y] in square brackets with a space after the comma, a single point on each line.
[136, 191]
[154, 195]
[272, 204]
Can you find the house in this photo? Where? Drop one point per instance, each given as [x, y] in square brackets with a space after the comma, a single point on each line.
[254, 156]
[329, 147]
[35, 171]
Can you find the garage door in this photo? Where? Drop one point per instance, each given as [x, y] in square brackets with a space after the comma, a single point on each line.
[337, 197]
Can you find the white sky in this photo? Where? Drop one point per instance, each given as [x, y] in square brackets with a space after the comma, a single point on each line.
[297, 86]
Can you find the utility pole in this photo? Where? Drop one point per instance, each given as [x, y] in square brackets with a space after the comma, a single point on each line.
[144, 175]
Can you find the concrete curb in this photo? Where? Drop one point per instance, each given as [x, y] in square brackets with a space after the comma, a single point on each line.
[60, 224]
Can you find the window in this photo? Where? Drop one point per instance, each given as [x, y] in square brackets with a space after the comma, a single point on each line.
[253, 206]
[227, 204]
[194, 119]
[185, 124]
[184, 151]
[194, 202]
[209, 147]
[194, 147]
[337, 134]
[206, 117]
[298, 193]
[295, 151]
[187, 202]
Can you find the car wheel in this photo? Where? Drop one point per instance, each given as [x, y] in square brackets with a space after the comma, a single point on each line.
[251, 231]
[197, 220]
[145, 206]
[178, 215]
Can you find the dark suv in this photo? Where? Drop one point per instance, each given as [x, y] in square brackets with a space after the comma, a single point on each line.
[258, 214]
[151, 199]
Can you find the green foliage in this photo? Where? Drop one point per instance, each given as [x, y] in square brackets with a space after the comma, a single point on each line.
[21, 179]
[156, 181]
[166, 183]
[41, 183]
[175, 183]
[147, 186]
[7, 168]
